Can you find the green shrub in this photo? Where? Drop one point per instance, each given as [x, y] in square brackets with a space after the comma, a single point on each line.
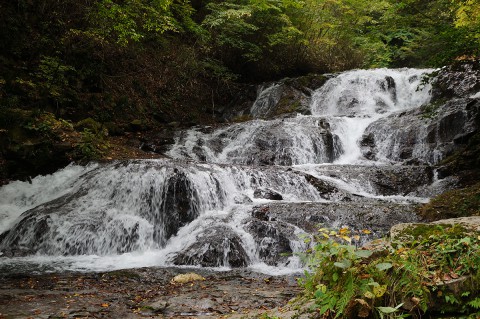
[92, 145]
[398, 281]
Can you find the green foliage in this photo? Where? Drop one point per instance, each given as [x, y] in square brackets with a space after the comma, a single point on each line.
[131, 20]
[346, 281]
[48, 125]
[247, 35]
[92, 145]
[429, 33]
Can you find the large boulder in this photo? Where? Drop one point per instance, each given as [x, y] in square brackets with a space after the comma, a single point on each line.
[216, 247]
[272, 240]
[461, 79]
[289, 95]
[419, 137]
[470, 225]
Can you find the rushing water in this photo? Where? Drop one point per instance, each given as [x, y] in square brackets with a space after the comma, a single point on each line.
[211, 196]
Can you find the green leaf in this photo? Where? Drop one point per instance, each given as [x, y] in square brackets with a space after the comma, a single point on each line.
[379, 290]
[386, 309]
[363, 253]
[475, 303]
[335, 277]
[384, 266]
[319, 293]
[344, 264]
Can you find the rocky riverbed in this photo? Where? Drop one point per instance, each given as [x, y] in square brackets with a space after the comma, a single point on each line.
[142, 293]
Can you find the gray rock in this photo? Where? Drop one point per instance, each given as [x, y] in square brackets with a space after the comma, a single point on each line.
[413, 137]
[218, 246]
[461, 79]
[267, 194]
[471, 223]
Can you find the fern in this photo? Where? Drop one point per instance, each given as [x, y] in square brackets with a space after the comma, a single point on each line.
[346, 295]
[475, 303]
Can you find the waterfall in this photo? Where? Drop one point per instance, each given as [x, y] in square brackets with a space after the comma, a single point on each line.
[341, 110]
[238, 195]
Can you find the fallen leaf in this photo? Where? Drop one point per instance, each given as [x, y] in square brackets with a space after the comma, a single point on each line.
[453, 275]
[184, 278]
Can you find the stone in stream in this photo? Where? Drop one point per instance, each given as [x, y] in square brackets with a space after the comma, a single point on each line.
[272, 239]
[267, 194]
[217, 246]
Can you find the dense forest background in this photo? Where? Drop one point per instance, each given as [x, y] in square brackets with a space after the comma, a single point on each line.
[73, 72]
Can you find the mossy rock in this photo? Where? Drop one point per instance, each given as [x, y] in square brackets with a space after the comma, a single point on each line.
[462, 202]
[138, 126]
[455, 227]
[89, 124]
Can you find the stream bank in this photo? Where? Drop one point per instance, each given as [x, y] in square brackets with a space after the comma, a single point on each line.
[141, 293]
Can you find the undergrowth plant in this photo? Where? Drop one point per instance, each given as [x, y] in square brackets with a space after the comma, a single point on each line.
[92, 145]
[400, 280]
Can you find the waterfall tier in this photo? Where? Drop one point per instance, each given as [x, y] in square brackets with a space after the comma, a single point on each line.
[245, 194]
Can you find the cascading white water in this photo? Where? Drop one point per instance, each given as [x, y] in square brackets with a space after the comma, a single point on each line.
[140, 206]
[342, 110]
[289, 141]
[17, 197]
[164, 212]
[355, 99]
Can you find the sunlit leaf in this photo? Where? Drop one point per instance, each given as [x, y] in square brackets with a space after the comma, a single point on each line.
[369, 295]
[346, 238]
[384, 266]
[344, 264]
[379, 290]
[335, 277]
[363, 253]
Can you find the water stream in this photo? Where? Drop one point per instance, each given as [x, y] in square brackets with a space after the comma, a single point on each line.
[239, 195]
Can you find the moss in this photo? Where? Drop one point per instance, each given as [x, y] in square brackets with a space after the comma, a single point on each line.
[423, 231]
[456, 203]
[242, 118]
[89, 124]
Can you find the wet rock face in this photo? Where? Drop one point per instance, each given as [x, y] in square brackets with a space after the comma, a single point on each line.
[219, 246]
[417, 137]
[459, 80]
[272, 239]
[380, 180]
[286, 96]
[159, 143]
[179, 204]
[267, 194]
[377, 216]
